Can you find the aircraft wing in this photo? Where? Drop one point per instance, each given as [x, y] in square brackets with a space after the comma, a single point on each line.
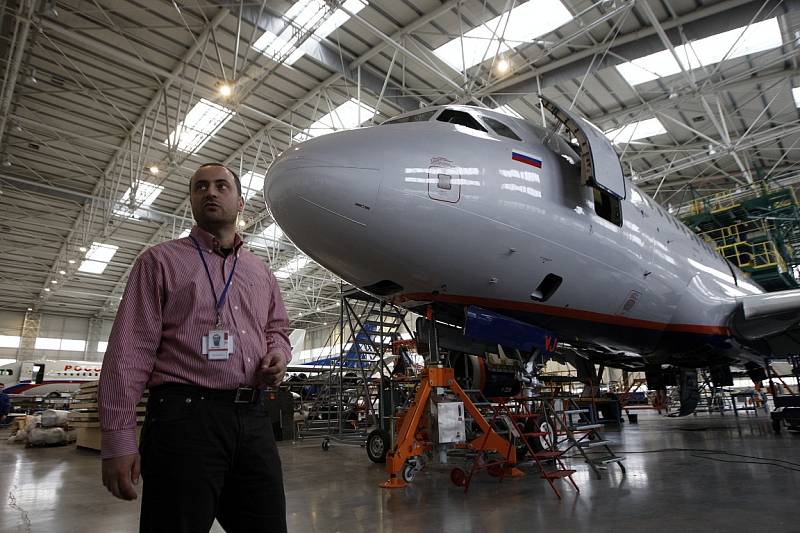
[769, 322]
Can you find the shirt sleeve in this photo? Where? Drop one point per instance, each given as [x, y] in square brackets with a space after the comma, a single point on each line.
[130, 356]
[277, 328]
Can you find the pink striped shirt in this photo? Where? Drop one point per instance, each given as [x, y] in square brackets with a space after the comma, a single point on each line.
[167, 308]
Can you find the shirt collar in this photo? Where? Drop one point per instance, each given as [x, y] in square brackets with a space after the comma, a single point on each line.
[210, 243]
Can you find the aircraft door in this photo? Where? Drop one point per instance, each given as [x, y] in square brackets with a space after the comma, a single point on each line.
[444, 181]
[27, 372]
[37, 375]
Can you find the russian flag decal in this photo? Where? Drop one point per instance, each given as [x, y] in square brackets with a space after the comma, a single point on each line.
[528, 160]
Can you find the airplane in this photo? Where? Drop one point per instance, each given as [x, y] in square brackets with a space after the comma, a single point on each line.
[456, 206]
[46, 378]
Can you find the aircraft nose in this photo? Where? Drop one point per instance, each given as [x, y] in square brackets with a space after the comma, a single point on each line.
[327, 179]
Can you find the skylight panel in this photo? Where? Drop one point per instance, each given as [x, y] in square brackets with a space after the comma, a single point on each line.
[292, 267]
[9, 341]
[515, 27]
[507, 110]
[185, 233]
[146, 193]
[301, 18]
[796, 95]
[202, 122]
[275, 47]
[344, 117]
[97, 258]
[102, 346]
[636, 130]
[252, 184]
[761, 36]
[268, 237]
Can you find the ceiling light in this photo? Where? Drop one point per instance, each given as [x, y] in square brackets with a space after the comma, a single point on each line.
[62, 272]
[30, 309]
[82, 248]
[502, 66]
[225, 90]
[71, 261]
[242, 223]
[154, 170]
[53, 281]
[47, 289]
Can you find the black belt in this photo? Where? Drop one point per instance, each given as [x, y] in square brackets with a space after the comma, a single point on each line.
[242, 395]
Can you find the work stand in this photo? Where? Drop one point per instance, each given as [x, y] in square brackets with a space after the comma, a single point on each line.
[413, 440]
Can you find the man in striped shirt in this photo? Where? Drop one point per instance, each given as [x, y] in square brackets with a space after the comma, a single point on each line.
[203, 326]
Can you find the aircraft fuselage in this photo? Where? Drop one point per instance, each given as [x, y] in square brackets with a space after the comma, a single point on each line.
[435, 211]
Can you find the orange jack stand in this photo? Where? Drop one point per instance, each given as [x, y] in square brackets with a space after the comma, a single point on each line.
[410, 441]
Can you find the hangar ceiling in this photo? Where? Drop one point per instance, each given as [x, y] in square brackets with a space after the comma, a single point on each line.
[109, 105]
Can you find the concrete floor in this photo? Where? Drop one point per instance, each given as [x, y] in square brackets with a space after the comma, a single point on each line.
[58, 490]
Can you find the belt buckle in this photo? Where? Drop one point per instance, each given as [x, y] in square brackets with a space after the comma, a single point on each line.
[244, 395]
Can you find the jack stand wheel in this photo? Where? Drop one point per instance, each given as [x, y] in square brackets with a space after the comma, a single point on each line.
[458, 477]
[409, 471]
[326, 445]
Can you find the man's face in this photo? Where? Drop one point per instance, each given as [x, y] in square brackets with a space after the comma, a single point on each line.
[215, 200]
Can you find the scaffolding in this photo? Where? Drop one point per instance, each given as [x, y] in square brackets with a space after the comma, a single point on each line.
[355, 391]
[756, 228]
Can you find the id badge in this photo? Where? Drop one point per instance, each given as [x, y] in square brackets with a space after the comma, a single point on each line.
[219, 343]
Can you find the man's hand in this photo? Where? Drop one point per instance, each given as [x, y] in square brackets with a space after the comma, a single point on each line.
[272, 369]
[120, 474]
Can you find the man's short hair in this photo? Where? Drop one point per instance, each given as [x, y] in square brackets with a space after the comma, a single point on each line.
[235, 176]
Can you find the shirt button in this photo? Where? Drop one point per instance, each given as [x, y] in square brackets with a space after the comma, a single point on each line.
[243, 332]
[236, 307]
[248, 359]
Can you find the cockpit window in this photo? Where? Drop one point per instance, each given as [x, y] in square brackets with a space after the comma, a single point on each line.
[418, 117]
[461, 118]
[501, 129]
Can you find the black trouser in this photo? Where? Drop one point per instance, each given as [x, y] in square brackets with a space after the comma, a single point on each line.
[206, 457]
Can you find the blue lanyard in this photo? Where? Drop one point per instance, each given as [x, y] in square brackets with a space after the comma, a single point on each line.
[221, 302]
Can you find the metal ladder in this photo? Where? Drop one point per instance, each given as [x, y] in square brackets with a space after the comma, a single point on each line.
[581, 434]
[511, 422]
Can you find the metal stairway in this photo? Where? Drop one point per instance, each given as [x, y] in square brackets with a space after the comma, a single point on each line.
[573, 427]
[348, 400]
[511, 420]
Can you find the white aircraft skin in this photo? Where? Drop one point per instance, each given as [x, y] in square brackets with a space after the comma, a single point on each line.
[367, 205]
[60, 376]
